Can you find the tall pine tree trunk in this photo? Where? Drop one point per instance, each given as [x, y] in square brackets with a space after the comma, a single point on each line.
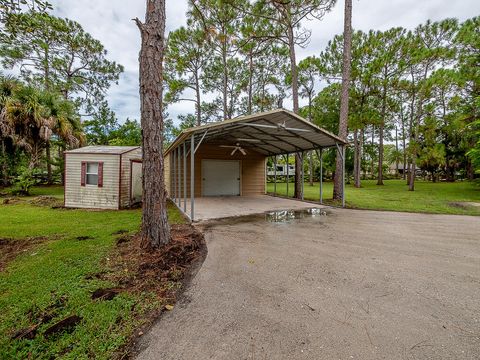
[404, 147]
[226, 114]
[310, 155]
[310, 165]
[198, 102]
[380, 155]
[372, 160]
[396, 148]
[298, 156]
[343, 124]
[155, 227]
[362, 155]
[381, 135]
[417, 118]
[250, 82]
[470, 170]
[357, 161]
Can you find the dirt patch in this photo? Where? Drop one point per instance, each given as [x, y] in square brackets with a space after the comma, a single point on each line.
[65, 325]
[164, 272]
[27, 333]
[120, 232]
[38, 317]
[471, 203]
[85, 237]
[11, 248]
[139, 270]
[105, 294]
[466, 205]
[12, 200]
[125, 238]
[49, 201]
[99, 276]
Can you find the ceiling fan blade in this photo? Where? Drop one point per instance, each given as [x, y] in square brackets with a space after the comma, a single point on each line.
[295, 129]
[248, 140]
[242, 151]
[259, 125]
[234, 150]
[228, 146]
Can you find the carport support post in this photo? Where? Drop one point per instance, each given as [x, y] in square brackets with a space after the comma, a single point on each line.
[184, 177]
[303, 174]
[288, 166]
[192, 177]
[174, 174]
[287, 173]
[343, 176]
[275, 176]
[321, 174]
[179, 178]
[341, 152]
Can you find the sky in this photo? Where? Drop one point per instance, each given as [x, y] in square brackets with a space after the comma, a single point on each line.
[111, 23]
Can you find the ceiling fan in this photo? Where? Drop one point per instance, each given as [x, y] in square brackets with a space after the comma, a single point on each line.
[236, 148]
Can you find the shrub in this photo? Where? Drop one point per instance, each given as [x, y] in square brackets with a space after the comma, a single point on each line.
[24, 181]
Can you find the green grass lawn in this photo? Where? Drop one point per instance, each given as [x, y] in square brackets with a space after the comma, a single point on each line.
[53, 190]
[56, 272]
[428, 197]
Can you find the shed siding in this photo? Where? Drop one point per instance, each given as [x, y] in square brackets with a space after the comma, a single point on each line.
[252, 168]
[91, 196]
[125, 171]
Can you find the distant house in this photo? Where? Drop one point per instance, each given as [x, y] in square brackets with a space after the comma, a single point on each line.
[281, 170]
[103, 177]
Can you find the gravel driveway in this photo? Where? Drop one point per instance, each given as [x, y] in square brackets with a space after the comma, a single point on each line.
[348, 285]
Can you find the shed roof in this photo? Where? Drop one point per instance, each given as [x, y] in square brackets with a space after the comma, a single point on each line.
[103, 149]
[270, 133]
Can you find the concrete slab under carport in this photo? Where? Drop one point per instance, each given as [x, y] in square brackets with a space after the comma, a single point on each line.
[217, 207]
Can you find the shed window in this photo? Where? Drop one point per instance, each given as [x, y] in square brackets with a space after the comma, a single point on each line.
[92, 173]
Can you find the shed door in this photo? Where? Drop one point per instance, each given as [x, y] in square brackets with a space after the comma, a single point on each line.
[136, 184]
[220, 177]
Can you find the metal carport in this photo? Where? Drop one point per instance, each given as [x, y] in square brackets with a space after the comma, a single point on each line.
[273, 133]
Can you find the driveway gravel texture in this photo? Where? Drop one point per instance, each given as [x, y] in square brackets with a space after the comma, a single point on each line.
[351, 284]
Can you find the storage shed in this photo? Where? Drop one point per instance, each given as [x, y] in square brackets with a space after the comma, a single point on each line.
[103, 177]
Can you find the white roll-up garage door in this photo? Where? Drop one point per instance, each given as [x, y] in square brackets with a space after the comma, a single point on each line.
[220, 177]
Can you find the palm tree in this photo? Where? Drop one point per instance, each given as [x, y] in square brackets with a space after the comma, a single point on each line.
[67, 130]
[31, 117]
[7, 87]
[25, 121]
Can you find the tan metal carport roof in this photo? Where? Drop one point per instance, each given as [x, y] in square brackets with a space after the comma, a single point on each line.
[270, 133]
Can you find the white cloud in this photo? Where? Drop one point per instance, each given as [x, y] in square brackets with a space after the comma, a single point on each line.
[111, 23]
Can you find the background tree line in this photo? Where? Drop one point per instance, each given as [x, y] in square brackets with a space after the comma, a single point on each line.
[53, 97]
[413, 98]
